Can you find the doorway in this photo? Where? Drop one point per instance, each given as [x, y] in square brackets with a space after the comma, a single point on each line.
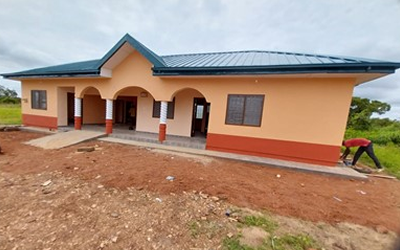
[126, 110]
[201, 113]
[70, 108]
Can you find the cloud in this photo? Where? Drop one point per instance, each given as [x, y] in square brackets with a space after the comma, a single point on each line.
[47, 32]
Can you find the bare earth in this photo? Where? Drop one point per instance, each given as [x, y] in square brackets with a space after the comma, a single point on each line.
[117, 197]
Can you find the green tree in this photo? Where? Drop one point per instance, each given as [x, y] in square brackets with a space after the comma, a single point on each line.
[361, 110]
[8, 95]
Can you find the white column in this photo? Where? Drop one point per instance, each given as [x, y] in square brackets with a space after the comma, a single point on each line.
[163, 112]
[163, 121]
[78, 107]
[78, 113]
[109, 116]
[109, 109]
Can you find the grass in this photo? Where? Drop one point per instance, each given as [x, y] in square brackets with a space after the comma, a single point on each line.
[293, 242]
[234, 244]
[271, 242]
[286, 242]
[10, 114]
[386, 146]
[260, 221]
[388, 155]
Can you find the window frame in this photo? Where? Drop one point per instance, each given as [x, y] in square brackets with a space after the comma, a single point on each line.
[244, 110]
[38, 103]
[170, 111]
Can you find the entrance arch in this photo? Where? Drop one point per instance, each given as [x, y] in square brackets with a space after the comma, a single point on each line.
[93, 107]
[194, 104]
[131, 105]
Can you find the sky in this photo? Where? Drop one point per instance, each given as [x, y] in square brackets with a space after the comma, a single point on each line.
[49, 32]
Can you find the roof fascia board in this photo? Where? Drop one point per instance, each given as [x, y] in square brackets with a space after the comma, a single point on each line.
[18, 75]
[284, 69]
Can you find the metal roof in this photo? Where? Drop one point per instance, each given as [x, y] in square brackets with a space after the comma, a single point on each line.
[77, 68]
[254, 58]
[221, 63]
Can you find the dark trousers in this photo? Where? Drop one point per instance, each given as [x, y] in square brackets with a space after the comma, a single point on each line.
[370, 152]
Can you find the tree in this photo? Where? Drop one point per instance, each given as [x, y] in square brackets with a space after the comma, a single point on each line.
[361, 110]
[8, 95]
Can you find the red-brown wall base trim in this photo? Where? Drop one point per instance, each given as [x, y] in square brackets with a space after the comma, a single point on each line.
[39, 121]
[279, 149]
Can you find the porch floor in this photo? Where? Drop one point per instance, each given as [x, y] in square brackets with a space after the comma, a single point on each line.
[123, 132]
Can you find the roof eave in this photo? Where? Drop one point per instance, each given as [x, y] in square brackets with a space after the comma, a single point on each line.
[284, 69]
[52, 75]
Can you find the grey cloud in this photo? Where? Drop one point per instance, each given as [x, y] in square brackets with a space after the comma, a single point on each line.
[45, 32]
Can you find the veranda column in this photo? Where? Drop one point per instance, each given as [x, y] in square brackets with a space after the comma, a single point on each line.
[163, 121]
[78, 113]
[109, 116]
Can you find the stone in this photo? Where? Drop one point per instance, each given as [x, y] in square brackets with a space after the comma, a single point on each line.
[381, 229]
[229, 235]
[214, 198]
[46, 191]
[85, 149]
[204, 196]
[114, 239]
[115, 215]
[46, 183]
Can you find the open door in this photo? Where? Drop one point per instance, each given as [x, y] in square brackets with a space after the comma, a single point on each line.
[70, 108]
[201, 112]
[125, 111]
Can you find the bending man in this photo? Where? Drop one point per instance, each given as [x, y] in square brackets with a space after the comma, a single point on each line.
[364, 146]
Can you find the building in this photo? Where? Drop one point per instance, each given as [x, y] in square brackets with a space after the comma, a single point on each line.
[281, 105]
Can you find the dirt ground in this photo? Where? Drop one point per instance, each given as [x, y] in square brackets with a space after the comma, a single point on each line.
[117, 197]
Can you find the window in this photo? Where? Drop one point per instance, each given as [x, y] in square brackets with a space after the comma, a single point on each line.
[39, 99]
[199, 111]
[157, 108]
[244, 110]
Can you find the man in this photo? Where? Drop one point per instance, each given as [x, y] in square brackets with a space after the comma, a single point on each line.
[364, 146]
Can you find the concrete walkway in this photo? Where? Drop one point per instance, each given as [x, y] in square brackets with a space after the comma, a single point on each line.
[344, 172]
[64, 139]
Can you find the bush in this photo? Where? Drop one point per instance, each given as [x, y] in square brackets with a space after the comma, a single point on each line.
[383, 136]
[9, 100]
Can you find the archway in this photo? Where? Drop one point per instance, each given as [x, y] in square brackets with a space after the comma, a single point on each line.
[197, 109]
[130, 108]
[93, 107]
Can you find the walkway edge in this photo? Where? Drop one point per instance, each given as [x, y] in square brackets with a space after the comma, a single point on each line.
[343, 172]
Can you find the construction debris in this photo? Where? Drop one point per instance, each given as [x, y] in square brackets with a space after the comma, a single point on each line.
[9, 128]
[85, 149]
[381, 176]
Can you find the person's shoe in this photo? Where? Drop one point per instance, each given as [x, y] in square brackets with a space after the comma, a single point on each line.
[379, 170]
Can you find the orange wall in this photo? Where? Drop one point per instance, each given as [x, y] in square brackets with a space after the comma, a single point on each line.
[301, 108]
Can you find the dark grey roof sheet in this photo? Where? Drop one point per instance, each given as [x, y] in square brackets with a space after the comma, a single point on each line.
[85, 67]
[220, 63]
